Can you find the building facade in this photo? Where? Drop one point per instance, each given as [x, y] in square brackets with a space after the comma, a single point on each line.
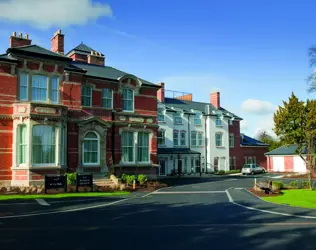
[196, 137]
[71, 113]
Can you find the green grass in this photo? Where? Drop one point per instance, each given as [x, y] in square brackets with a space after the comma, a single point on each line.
[296, 197]
[59, 196]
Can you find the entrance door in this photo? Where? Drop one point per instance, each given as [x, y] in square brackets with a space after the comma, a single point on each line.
[162, 168]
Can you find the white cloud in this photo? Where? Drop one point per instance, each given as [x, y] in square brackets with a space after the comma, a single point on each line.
[266, 124]
[243, 125]
[258, 107]
[45, 14]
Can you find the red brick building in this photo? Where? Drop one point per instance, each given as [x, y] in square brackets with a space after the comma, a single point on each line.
[71, 113]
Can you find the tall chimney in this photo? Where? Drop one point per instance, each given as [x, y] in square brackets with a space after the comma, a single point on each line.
[161, 92]
[18, 41]
[216, 100]
[96, 58]
[58, 42]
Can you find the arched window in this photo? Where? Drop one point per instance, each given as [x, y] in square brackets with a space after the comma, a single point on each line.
[91, 149]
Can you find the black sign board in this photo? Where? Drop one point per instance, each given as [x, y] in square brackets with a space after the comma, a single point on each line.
[56, 181]
[85, 180]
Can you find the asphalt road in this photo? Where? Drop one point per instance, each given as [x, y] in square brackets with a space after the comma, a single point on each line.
[195, 213]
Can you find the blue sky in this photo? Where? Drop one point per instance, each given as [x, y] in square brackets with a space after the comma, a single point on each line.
[253, 52]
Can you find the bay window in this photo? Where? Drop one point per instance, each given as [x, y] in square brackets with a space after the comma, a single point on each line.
[43, 144]
[143, 147]
[23, 87]
[22, 144]
[55, 89]
[135, 147]
[127, 146]
[86, 96]
[128, 100]
[107, 95]
[39, 88]
[91, 148]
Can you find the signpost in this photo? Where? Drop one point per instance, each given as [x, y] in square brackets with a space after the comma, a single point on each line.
[84, 181]
[54, 182]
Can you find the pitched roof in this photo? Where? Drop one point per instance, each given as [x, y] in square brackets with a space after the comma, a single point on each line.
[83, 48]
[176, 151]
[186, 106]
[251, 142]
[35, 50]
[286, 150]
[7, 58]
[106, 72]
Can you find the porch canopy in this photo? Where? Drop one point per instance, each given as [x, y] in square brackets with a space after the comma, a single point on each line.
[166, 151]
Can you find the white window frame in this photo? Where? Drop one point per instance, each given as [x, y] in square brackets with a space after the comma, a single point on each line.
[135, 147]
[132, 100]
[107, 98]
[86, 96]
[56, 147]
[182, 138]
[193, 138]
[57, 89]
[160, 115]
[176, 139]
[200, 139]
[218, 121]
[231, 140]
[163, 137]
[197, 119]
[177, 118]
[98, 154]
[221, 145]
[138, 148]
[47, 88]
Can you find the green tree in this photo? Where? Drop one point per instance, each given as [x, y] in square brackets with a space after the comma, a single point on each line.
[311, 80]
[268, 139]
[295, 123]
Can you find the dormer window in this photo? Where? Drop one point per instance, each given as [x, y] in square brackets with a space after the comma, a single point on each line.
[218, 120]
[128, 100]
[197, 119]
[86, 96]
[177, 118]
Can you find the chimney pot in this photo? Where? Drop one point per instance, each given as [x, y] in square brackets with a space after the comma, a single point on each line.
[14, 34]
[20, 35]
[26, 36]
[59, 31]
[57, 42]
[91, 52]
[18, 41]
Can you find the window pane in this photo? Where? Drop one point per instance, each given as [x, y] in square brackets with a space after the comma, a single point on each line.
[22, 144]
[54, 90]
[91, 148]
[23, 86]
[86, 95]
[107, 98]
[175, 137]
[127, 144]
[128, 100]
[143, 147]
[44, 144]
[39, 88]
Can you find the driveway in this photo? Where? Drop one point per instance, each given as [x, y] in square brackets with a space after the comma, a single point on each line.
[197, 215]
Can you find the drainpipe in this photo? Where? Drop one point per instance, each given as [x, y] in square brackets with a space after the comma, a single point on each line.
[113, 141]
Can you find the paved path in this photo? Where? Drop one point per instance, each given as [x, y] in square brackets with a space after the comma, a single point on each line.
[189, 215]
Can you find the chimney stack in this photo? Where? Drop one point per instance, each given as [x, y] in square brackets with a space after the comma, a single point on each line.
[161, 92]
[96, 58]
[216, 100]
[58, 42]
[18, 41]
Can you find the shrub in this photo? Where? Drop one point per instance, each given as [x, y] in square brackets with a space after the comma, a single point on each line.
[221, 172]
[232, 171]
[130, 179]
[142, 179]
[71, 178]
[124, 178]
[293, 184]
[277, 185]
[305, 184]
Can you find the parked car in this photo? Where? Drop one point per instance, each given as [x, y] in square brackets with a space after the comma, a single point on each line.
[252, 169]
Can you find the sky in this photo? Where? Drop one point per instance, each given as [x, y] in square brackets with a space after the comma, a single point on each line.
[255, 53]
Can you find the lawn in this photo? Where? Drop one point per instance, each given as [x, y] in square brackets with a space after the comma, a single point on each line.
[296, 197]
[59, 196]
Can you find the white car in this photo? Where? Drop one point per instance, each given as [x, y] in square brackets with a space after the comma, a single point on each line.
[252, 169]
